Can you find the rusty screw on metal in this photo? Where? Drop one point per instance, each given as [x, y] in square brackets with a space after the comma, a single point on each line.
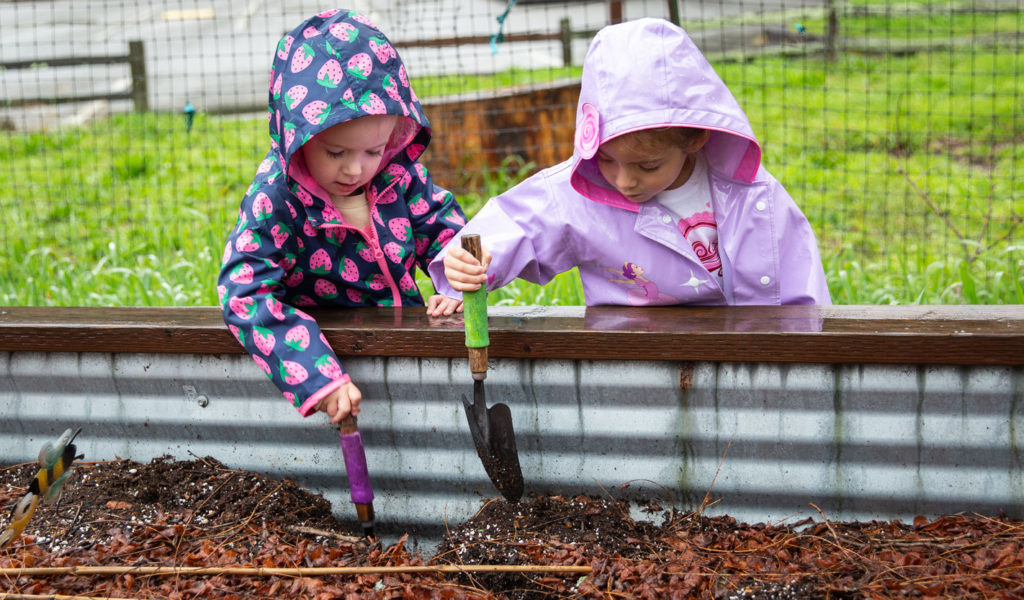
[191, 394]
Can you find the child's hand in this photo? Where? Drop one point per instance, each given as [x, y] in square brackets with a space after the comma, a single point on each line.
[341, 402]
[439, 305]
[464, 272]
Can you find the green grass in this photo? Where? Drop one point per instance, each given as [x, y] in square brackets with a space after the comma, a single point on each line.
[881, 149]
[125, 212]
[995, 278]
[908, 167]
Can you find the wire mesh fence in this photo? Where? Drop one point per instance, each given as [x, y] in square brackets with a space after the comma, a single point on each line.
[130, 132]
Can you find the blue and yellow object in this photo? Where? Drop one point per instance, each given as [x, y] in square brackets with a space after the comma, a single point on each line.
[54, 468]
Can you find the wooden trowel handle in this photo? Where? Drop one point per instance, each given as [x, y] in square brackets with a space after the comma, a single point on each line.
[475, 311]
[348, 425]
[478, 362]
[471, 244]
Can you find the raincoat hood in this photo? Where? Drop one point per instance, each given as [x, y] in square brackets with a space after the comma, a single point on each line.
[335, 67]
[646, 74]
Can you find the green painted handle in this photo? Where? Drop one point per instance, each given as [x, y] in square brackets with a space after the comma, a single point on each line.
[475, 303]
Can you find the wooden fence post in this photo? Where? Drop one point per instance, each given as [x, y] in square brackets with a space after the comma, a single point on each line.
[673, 11]
[831, 31]
[614, 11]
[566, 30]
[137, 61]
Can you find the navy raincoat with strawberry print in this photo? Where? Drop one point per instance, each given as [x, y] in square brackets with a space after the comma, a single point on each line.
[291, 248]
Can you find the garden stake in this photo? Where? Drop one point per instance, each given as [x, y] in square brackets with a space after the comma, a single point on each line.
[491, 428]
[358, 475]
[87, 570]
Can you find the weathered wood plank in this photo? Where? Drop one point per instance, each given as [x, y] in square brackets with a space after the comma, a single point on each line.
[968, 335]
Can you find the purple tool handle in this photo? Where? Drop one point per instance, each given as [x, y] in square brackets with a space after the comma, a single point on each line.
[355, 466]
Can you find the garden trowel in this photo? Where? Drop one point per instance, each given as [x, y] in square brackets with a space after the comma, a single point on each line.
[491, 428]
[358, 475]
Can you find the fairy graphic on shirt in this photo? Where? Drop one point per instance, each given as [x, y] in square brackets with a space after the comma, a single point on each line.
[646, 291]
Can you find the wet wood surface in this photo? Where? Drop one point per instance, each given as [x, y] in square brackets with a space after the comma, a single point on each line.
[968, 335]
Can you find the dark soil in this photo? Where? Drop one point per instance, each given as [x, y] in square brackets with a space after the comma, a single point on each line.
[200, 513]
[124, 498]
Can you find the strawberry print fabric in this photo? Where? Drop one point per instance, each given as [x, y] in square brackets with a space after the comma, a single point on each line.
[290, 249]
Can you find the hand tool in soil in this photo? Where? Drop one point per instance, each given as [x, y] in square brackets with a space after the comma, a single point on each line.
[491, 428]
[55, 467]
[358, 475]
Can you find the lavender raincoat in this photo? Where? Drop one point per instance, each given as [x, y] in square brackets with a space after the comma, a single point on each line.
[637, 75]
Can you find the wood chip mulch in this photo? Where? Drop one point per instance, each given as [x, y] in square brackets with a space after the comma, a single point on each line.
[143, 525]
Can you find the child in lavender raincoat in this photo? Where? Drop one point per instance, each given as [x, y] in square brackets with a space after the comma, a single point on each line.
[340, 211]
[664, 200]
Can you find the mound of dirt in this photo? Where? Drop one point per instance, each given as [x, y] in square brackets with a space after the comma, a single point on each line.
[126, 516]
[124, 497]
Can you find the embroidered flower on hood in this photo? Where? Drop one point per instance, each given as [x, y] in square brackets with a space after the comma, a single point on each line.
[588, 131]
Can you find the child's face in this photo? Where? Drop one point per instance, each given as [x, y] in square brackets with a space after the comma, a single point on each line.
[640, 174]
[345, 157]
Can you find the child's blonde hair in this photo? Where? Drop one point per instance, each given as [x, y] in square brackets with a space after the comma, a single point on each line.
[653, 140]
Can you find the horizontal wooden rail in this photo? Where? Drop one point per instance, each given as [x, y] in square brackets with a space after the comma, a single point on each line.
[135, 59]
[71, 61]
[565, 35]
[939, 335]
[486, 39]
[47, 100]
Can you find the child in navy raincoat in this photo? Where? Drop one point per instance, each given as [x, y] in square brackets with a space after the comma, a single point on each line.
[340, 211]
[664, 200]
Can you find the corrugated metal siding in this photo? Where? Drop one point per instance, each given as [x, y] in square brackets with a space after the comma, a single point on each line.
[859, 441]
